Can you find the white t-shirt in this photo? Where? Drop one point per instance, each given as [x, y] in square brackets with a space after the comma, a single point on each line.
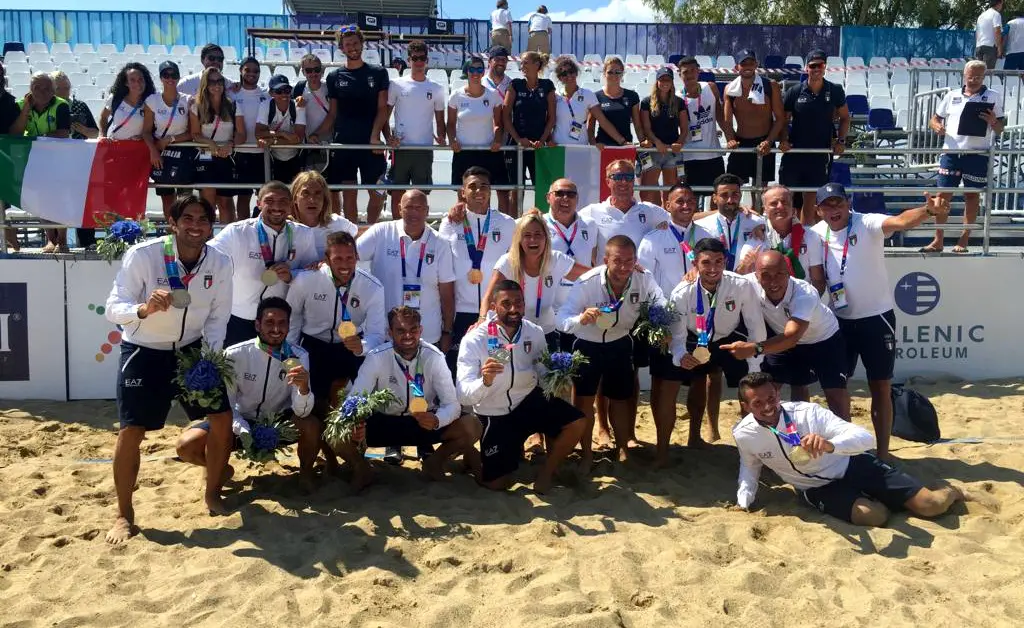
[316, 103]
[801, 301]
[539, 22]
[501, 18]
[282, 122]
[700, 112]
[661, 252]
[988, 22]
[580, 239]
[190, 84]
[952, 106]
[866, 280]
[169, 120]
[498, 228]
[570, 112]
[474, 124]
[415, 103]
[217, 129]
[635, 222]
[1014, 37]
[540, 310]
[336, 223]
[126, 122]
[247, 104]
[501, 86]
[733, 236]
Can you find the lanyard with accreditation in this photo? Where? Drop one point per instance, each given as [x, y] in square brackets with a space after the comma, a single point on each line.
[412, 286]
[837, 291]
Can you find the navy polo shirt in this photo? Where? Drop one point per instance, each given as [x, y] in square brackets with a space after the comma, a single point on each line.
[813, 114]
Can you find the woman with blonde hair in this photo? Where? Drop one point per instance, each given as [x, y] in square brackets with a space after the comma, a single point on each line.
[214, 122]
[663, 116]
[311, 206]
[621, 106]
[538, 268]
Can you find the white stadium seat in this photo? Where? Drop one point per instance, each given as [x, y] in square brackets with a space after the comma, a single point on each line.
[456, 84]
[38, 48]
[635, 59]
[198, 50]
[83, 48]
[899, 90]
[97, 68]
[878, 61]
[795, 60]
[134, 50]
[858, 89]
[106, 50]
[438, 75]
[592, 58]
[230, 54]
[286, 71]
[655, 60]
[179, 51]
[60, 48]
[370, 56]
[87, 91]
[86, 58]
[725, 61]
[878, 78]
[18, 77]
[295, 54]
[43, 66]
[118, 59]
[880, 102]
[21, 67]
[191, 60]
[157, 50]
[95, 106]
[70, 67]
[704, 61]
[854, 61]
[16, 56]
[276, 55]
[835, 62]
[323, 54]
[63, 57]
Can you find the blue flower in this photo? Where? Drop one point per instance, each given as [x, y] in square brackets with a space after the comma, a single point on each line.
[202, 376]
[265, 438]
[127, 231]
[351, 405]
[659, 315]
[561, 361]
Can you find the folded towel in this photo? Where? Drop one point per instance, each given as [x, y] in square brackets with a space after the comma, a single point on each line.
[756, 96]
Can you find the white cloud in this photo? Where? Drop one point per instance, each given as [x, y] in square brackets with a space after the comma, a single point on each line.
[614, 11]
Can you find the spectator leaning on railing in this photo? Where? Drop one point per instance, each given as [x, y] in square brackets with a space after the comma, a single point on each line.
[573, 106]
[83, 126]
[214, 122]
[47, 115]
[662, 117]
[281, 123]
[170, 125]
[474, 127]
[967, 117]
[621, 106]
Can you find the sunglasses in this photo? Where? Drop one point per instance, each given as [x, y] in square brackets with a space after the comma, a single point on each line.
[622, 176]
[169, 75]
[416, 58]
[219, 81]
[614, 72]
[349, 28]
[565, 193]
[316, 70]
[475, 69]
[816, 66]
[215, 58]
[565, 73]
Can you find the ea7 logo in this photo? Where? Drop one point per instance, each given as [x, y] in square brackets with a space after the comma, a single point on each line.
[491, 451]
[249, 377]
[764, 455]
[131, 382]
[319, 296]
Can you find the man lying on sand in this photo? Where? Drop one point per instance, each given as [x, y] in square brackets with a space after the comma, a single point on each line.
[830, 467]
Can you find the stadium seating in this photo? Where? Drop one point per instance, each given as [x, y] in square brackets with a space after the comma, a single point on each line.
[83, 48]
[705, 61]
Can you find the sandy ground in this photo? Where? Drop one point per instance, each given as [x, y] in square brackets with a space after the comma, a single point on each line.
[630, 548]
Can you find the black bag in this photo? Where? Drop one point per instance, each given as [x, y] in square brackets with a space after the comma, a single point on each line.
[913, 416]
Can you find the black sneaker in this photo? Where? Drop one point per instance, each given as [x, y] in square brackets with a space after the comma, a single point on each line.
[393, 455]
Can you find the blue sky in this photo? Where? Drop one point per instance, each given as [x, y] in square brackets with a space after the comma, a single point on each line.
[605, 10]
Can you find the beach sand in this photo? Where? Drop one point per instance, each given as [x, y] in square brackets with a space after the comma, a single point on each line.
[632, 547]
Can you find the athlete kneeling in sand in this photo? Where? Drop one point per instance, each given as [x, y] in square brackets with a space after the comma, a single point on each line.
[829, 467]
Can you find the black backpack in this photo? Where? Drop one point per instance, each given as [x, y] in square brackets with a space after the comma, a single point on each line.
[273, 111]
[913, 416]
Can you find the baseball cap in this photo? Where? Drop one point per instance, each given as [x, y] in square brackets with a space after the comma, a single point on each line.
[830, 190]
[662, 73]
[743, 55]
[168, 65]
[497, 51]
[277, 81]
[817, 55]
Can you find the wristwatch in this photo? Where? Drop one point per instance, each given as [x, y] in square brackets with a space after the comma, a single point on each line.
[758, 349]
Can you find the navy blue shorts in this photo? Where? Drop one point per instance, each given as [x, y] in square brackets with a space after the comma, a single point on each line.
[346, 165]
[867, 476]
[459, 328]
[501, 445]
[385, 430]
[971, 169]
[824, 362]
[610, 368]
[662, 368]
[805, 169]
[873, 340]
[733, 368]
[145, 387]
[239, 330]
[210, 172]
[329, 362]
[565, 341]
[249, 168]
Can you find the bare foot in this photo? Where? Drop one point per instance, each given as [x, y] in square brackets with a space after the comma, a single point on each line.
[623, 454]
[216, 506]
[700, 443]
[543, 483]
[586, 463]
[431, 468]
[361, 478]
[229, 472]
[474, 464]
[714, 436]
[603, 440]
[121, 531]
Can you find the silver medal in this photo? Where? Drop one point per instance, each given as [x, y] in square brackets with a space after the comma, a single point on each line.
[180, 298]
[500, 354]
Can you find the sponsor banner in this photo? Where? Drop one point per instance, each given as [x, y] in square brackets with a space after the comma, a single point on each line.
[32, 364]
[93, 341]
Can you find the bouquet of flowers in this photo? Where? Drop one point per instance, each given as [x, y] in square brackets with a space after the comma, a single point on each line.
[200, 374]
[654, 324]
[353, 409]
[121, 234]
[562, 367]
[267, 436]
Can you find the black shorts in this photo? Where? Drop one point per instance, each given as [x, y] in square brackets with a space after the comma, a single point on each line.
[502, 443]
[386, 430]
[824, 362]
[347, 164]
[328, 362]
[873, 340]
[565, 341]
[210, 172]
[179, 168]
[145, 387]
[239, 330]
[553, 341]
[459, 328]
[641, 353]
[413, 167]
[701, 173]
[733, 368]
[610, 368]
[744, 165]
[249, 168]
[529, 166]
[867, 476]
[286, 170]
[809, 170]
[493, 163]
[662, 368]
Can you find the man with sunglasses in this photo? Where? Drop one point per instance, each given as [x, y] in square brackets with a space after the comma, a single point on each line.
[496, 79]
[211, 55]
[811, 108]
[280, 122]
[418, 103]
[358, 115]
[249, 98]
[621, 212]
[310, 95]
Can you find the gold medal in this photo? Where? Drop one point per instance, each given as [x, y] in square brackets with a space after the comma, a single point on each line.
[701, 354]
[347, 329]
[291, 363]
[269, 277]
[799, 455]
[475, 276]
[417, 404]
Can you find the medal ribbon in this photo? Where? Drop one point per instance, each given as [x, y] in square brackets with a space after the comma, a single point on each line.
[792, 436]
[476, 251]
[174, 278]
[266, 252]
[792, 253]
[685, 249]
[415, 381]
[281, 354]
[568, 241]
[614, 303]
[345, 316]
[723, 233]
[419, 266]
[705, 323]
[492, 337]
[846, 250]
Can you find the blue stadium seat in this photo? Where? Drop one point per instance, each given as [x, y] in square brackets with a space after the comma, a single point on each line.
[881, 120]
[674, 59]
[840, 173]
[11, 46]
[774, 62]
[857, 104]
[868, 203]
[706, 77]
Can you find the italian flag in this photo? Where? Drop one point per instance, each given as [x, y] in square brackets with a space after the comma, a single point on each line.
[585, 165]
[74, 182]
